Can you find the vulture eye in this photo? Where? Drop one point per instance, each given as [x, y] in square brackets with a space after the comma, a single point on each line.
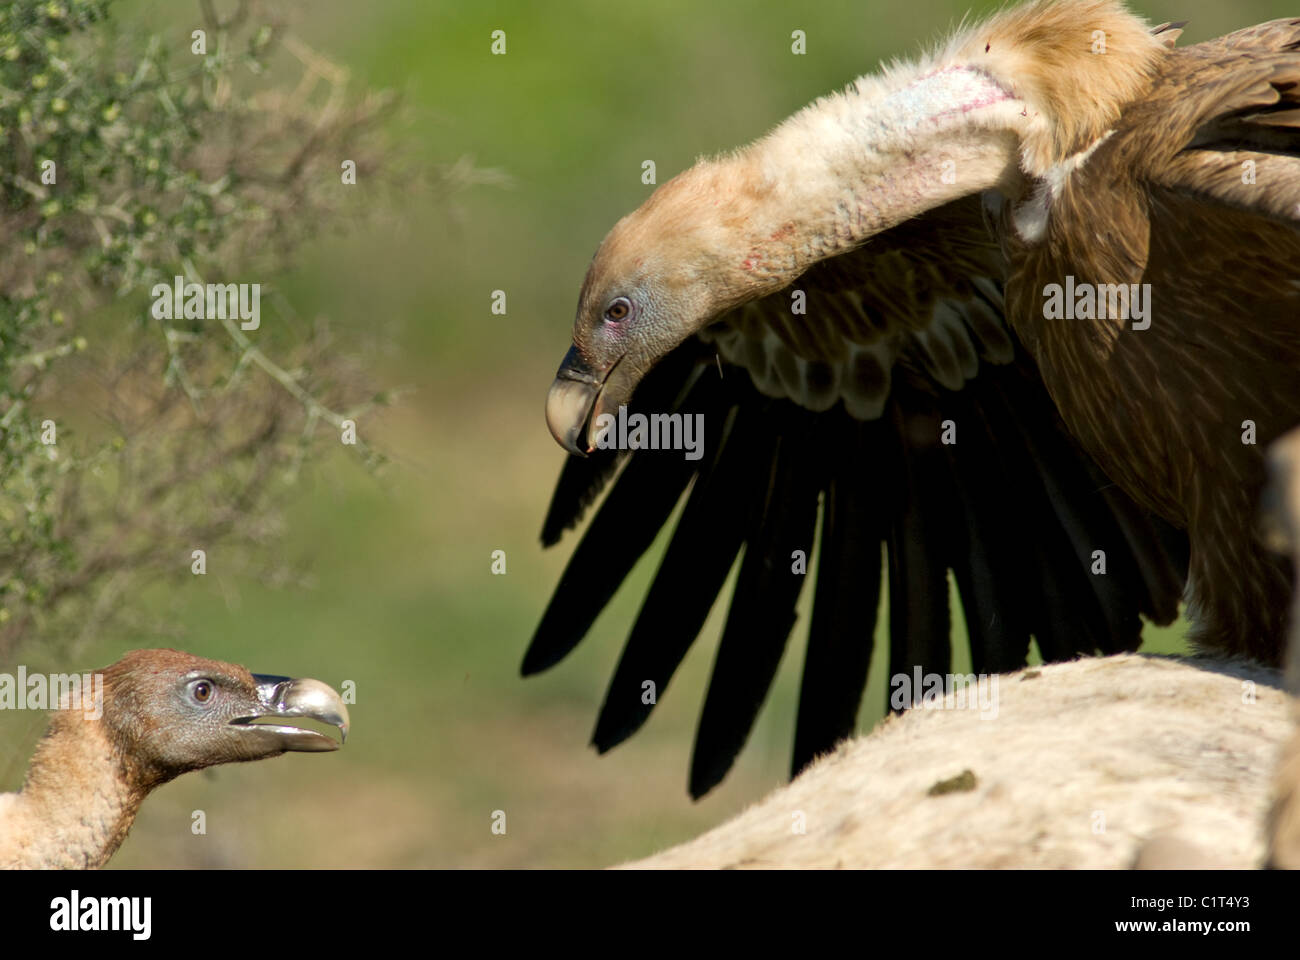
[201, 691]
[619, 309]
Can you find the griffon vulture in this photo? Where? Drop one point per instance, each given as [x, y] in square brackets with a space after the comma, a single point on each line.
[162, 713]
[1026, 311]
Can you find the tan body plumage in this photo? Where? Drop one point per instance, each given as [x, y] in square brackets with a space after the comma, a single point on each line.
[1166, 410]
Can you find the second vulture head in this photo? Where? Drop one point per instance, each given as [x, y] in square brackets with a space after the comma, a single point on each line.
[180, 713]
[664, 272]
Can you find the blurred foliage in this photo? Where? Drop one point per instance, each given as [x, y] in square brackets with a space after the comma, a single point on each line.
[123, 167]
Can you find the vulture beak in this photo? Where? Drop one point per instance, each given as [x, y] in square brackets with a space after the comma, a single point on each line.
[572, 399]
[285, 697]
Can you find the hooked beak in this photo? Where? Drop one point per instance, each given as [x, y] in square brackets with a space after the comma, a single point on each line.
[571, 400]
[286, 697]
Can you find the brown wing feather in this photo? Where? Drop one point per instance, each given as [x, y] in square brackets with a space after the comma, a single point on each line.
[926, 294]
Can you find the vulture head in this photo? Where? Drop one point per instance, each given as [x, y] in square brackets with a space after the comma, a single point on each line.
[172, 713]
[661, 274]
[157, 715]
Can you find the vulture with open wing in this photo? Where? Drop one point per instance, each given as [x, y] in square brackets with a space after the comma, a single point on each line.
[1026, 311]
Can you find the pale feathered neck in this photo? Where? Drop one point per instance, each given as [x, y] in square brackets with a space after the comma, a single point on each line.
[1002, 105]
[78, 801]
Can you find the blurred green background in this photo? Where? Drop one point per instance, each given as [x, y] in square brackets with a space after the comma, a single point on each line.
[445, 730]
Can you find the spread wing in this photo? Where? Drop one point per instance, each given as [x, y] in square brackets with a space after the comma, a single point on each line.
[895, 422]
